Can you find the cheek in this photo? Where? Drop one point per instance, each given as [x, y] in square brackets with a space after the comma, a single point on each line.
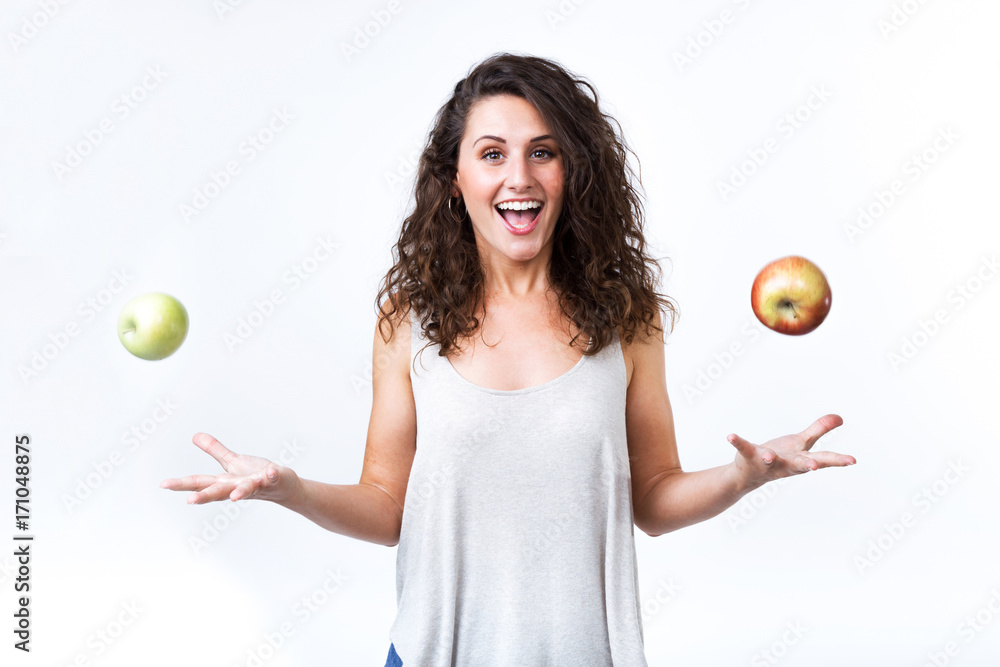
[557, 190]
[556, 183]
[477, 188]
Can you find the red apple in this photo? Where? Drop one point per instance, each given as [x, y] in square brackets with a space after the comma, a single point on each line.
[791, 296]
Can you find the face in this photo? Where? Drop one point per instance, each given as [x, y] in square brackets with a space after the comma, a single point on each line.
[508, 160]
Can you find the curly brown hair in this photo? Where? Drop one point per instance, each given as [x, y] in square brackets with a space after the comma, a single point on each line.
[599, 267]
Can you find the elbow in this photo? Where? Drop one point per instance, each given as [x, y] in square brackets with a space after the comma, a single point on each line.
[393, 537]
[647, 527]
[649, 530]
[654, 531]
[652, 505]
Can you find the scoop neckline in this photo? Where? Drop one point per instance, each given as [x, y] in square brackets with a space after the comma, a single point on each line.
[524, 390]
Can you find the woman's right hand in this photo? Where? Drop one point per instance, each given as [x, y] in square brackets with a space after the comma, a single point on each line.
[245, 477]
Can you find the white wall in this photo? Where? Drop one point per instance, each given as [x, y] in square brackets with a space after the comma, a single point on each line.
[717, 593]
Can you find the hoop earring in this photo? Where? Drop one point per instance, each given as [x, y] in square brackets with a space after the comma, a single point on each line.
[460, 216]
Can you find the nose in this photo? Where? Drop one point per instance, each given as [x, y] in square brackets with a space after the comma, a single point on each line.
[519, 173]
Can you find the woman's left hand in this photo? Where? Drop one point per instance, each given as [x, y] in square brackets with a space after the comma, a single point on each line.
[755, 465]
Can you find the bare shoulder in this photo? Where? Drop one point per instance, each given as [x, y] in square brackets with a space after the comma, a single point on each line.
[646, 349]
[391, 349]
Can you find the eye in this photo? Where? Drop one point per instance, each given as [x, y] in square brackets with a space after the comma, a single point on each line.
[543, 153]
[492, 155]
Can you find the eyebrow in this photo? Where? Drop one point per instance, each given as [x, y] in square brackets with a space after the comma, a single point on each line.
[502, 141]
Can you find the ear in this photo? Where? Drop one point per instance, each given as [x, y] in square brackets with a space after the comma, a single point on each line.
[455, 191]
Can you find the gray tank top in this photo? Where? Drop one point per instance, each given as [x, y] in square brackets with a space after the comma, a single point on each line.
[517, 545]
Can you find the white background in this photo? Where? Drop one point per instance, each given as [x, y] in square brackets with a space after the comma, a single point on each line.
[827, 552]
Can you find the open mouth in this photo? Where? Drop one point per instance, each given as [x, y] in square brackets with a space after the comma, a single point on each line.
[520, 216]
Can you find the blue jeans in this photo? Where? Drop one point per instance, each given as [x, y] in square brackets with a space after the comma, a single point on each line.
[393, 659]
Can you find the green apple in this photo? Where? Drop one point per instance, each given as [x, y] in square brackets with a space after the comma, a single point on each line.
[152, 326]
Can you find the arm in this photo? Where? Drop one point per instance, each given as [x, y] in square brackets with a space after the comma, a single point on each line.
[362, 511]
[371, 510]
[392, 428]
[664, 496]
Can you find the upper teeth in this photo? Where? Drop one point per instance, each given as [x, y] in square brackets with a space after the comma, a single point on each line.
[518, 205]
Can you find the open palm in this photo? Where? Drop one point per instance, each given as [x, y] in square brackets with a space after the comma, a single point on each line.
[788, 455]
[245, 477]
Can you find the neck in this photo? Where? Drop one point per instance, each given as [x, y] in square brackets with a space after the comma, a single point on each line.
[510, 279]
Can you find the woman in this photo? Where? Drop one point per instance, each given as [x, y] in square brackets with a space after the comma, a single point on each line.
[510, 464]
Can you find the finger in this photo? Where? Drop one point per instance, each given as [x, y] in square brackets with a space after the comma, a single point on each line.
[189, 483]
[832, 459]
[247, 488]
[818, 428]
[806, 464]
[767, 455]
[251, 486]
[216, 491]
[214, 448]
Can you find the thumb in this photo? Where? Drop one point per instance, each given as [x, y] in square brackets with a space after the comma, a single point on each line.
[744, 447]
